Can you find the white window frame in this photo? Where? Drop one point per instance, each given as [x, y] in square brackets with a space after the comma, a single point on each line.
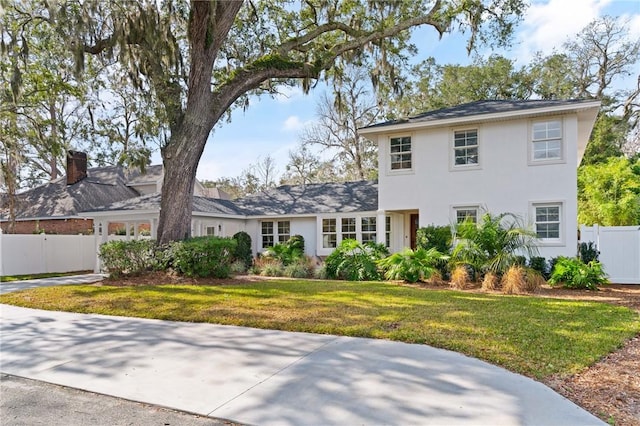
[543, 136]
[351, 229]
[561, 222]
[390, 154]
[340, 232]
[282, 237]
[329, 232]
[453, 149]
[463, 207]
[371, 235]
[263, 234]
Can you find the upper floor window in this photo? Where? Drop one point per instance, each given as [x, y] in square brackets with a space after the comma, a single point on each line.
[465, 147]
[548, 221]
[546, 141]
[400, 150]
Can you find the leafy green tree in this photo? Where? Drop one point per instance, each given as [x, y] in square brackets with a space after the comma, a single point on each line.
[609, 193]
[201, 59]
[494, 244]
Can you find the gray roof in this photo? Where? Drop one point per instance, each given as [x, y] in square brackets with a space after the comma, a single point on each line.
[312, 199]
[151, 175]
[481, 108]
[102, 185]
[152, 202]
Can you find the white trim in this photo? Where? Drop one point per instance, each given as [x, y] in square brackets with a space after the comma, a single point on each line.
[452, 149]
[387, 154]
[530, 142]
[477, 118]
[550, 242]
[467, 206]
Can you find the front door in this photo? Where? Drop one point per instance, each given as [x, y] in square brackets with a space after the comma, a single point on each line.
[413, 231]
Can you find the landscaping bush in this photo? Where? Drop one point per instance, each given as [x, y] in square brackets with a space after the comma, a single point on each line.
[237, 267]
[410, 265]
[203, 256]
[493, 244]
[460, 277]
[490, 281]
[243, 250]
[518, 280]
[288, 252]
[539, 264]
[354, 261]
[574, 273]
[437, 237]
[588, 252]
[301, 268]
[128, 257]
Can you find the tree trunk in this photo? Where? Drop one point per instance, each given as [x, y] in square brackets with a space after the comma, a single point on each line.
[180, 158]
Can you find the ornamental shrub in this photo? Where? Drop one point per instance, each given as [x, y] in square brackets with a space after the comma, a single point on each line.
[574, 273]
[411, 266]
[288, 252]
[204, 256]
[128, 257]
[355, 261]
[437, 237]
[588, 252]
[243, 250]
[539, 264]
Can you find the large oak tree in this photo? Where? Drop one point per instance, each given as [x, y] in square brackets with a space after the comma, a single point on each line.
[201, 59]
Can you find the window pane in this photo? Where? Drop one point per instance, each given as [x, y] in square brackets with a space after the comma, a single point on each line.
[548, 222]
[267, 227]
[329, 241]
[284, 227]
[466, 214]
[400, 153]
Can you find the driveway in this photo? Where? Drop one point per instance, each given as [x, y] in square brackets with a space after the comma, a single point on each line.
[268, 377]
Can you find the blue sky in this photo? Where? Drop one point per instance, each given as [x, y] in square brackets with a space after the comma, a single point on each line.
[272, 126]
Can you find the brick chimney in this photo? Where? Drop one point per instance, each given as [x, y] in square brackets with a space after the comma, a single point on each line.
[76, 166]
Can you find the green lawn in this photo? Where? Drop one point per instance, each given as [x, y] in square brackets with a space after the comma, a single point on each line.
[529, 335]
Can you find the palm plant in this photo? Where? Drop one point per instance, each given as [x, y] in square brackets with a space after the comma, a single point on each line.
[411, 265]
[494, 244]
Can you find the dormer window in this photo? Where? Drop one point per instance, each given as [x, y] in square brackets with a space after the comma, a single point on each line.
[400, 150]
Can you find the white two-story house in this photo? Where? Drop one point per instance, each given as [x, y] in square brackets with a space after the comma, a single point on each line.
[521, 157]
[437, 168]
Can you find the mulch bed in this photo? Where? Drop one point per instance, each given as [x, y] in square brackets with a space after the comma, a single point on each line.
[610, 389]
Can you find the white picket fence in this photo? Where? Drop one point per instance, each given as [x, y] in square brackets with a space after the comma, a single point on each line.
[40, 253]
[619, 248]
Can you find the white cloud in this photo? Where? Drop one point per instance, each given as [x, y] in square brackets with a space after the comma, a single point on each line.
[548, 25]
[292, 123]
[288, 94]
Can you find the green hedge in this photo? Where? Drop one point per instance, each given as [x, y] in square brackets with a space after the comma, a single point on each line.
[203, 256]
[128, 257]
[195, 257]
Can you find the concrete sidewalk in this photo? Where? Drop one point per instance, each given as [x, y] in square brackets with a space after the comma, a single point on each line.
[7, 287]
[267, 377]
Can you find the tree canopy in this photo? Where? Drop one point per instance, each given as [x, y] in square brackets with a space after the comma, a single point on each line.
[200, 59]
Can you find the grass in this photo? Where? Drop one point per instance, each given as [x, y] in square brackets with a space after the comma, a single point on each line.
[10, 278]
[534, 336]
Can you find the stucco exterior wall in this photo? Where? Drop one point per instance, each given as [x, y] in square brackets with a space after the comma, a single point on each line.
[506, 180]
